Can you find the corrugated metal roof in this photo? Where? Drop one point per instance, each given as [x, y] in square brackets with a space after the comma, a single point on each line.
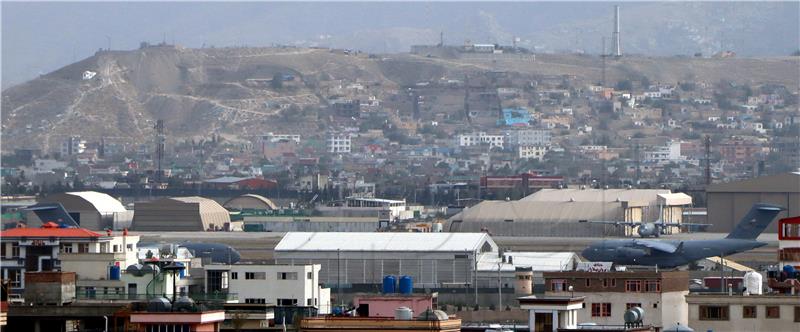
[104, 203]
[786, 182]
[534, 211]
[428, 242]
[49, 232]
[537, 261]
[226, 179]
[640, 196]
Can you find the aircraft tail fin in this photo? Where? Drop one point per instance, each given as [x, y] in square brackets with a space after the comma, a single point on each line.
[755, 221]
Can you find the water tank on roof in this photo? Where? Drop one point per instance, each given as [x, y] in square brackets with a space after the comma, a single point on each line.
[788, 269]
[159, 304]
[184, 304]
[634, 315]
[403, 313]
[135, 269]
[113, 272]
[752, 281]
[389, 283]
[150, 268]
[437, 227]
[406, 285]
[182, 272]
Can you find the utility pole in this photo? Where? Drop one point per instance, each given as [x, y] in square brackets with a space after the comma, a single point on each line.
[708, 160]
[499, 286]
[603, 56]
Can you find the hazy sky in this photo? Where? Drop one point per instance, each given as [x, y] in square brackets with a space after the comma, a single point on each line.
[40, 37]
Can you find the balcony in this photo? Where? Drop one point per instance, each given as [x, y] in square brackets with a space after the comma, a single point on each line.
[92, 257]
[89, 296]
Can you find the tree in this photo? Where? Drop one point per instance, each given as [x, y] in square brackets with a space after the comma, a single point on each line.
[624, 85]
[277, 81]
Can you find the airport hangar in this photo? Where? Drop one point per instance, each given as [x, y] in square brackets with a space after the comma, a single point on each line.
[180, 214]
[555, 212]
[728, 202]
[433, 260]
[90, 209]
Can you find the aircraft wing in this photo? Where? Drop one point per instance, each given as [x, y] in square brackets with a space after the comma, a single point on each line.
[656, 245]
[615, 223]
[683, 224]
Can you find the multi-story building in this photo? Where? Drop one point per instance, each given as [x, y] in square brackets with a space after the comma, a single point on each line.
[41, 249]
[481, 138]
[739, 150]
[724, 312]
[609, 295]
[529, 137]
[274, 138]
[340, 143]
[671, 152]
[73, 145]
[532, 152]
[789, 242]
[282, 285]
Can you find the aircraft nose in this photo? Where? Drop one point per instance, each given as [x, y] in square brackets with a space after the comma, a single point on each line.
[588, 253]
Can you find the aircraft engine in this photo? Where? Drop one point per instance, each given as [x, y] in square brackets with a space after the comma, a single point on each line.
[647, 230]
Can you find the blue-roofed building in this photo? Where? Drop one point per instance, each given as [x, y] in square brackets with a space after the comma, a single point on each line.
[516, 117]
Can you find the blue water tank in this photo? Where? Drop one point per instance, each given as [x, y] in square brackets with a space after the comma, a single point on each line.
[113, 272]
[182, 272]
[788, 269]
[389, 285]
[406, 285]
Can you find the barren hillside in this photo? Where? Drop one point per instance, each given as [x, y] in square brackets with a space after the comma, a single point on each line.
[227, 90]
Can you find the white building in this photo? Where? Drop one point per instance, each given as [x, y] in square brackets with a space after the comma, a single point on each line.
[368, 206]
[282, 285]
[273, 138]
[481, 138]
[532, 152]
[671, 152]
[529, 137]
[431, 259]
[51, 248]
[73, 145]
[340, 143]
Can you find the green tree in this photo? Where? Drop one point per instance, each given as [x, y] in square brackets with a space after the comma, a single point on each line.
[277, 81]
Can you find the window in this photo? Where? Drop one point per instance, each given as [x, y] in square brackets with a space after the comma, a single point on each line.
[287, 275]
[2, 250]
[15, 276]
[309, 302]
[90, 292]
[234, 275]
[773, 311]
[601, 309]
[713, 312]
[632, 305]
[116, 248]
[83, 248]
[255, 275]
[633, 285]
[558, 285]
[749, 311]
[588, 282]
[15, 250]
[797, 314]
[130, 247]
[652, 286]
[255, 301]
[310, 275]
[613, 282]
[287, 301]
[66, 248]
